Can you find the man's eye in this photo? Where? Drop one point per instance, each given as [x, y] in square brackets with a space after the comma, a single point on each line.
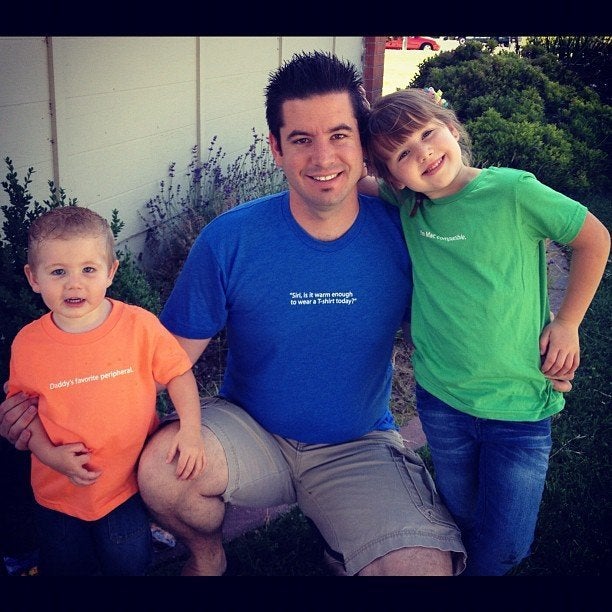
[339, 136]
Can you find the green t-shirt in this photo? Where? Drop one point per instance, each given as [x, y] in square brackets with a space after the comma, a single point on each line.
[480, 298]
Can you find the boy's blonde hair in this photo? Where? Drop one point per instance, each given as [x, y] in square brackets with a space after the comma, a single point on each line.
[396, 116]
[69, 222]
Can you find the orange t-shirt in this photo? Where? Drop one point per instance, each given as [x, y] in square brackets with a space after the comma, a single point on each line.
[97, 387]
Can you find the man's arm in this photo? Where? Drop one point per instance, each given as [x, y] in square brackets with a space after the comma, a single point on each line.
[16, 414]
[193, 347]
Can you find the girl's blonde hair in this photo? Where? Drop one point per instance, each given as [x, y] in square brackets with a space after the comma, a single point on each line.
[396, 116]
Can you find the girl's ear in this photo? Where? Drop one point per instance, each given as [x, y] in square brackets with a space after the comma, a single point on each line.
[396, 184]
[454, 131]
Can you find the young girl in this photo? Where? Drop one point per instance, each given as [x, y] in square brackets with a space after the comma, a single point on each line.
[93, 362]
[485, 345]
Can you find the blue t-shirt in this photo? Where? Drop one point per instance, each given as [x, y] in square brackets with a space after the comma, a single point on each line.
[310, 324]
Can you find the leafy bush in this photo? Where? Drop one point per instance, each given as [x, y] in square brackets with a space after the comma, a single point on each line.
[567, 58]
[519, 117]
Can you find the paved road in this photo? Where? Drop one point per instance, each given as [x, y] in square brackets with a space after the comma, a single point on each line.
[402, 66]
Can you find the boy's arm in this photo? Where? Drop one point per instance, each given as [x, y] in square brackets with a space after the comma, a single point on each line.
[67, 459]
[183, 391]
[559, 339]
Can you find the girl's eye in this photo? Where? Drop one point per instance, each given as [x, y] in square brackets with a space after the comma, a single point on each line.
[402, 155]
[426, 133]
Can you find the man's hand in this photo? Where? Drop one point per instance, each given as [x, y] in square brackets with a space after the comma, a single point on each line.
[560, 384]
[16, 413]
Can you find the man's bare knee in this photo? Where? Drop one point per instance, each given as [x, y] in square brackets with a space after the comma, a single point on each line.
[155, 476]
[416, 561]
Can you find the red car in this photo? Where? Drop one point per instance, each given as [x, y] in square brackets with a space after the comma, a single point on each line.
[412, 42]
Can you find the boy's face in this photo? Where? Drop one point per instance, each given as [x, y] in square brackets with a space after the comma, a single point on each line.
[321, 156]
[72, 276]
[429, 161]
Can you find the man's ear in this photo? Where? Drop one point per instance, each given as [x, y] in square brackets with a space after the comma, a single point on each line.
[31, 276]
[275, 148]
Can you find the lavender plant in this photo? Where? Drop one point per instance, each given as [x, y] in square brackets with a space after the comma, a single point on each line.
[175, 216]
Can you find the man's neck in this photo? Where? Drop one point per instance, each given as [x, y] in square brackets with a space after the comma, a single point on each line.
[325, 224]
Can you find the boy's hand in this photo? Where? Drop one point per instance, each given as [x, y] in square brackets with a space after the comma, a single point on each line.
[192, 459]
[71, 460]
[560, 350]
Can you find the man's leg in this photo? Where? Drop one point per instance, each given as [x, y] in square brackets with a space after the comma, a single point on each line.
[411, 562]
[192, 510]
[376, 507]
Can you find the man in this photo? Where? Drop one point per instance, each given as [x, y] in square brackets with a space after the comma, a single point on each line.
[312, 285]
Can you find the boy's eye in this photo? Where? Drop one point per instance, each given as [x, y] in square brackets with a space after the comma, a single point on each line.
[89, 269]
[57, 272]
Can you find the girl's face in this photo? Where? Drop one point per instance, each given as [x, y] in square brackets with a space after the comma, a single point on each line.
[429, 161]
[72, 276]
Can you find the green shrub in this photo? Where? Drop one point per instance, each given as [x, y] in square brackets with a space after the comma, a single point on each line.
[519, 117]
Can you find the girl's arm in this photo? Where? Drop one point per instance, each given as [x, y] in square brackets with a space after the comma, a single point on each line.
[559, 340]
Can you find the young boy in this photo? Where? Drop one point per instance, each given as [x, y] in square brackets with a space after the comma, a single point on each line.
[485, 345]
[78, 359]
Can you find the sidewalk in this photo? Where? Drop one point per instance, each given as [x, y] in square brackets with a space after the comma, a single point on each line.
[239, 521]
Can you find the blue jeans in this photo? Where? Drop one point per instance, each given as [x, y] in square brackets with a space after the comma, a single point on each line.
[118, 544]
[490, 474]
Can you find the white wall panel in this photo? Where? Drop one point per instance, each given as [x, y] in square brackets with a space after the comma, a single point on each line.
[127, 107]
[25, 127]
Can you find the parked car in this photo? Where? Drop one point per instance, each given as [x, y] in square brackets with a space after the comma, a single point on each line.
[504, 41]
[412, 42]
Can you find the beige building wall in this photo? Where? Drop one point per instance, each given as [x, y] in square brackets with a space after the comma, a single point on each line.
[105, 116]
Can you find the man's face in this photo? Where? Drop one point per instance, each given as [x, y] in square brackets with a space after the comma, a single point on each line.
[322, 156]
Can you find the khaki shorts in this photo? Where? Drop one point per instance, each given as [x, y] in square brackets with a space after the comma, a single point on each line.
[367, 497]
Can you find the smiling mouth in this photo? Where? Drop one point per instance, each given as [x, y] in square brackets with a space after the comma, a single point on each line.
[74, 300]
[324, 179]
[434, 166]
